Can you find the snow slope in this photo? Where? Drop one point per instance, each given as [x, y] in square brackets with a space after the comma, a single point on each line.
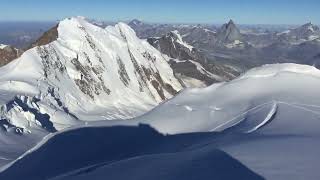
[268, 119]
[140, 152]
[223, 105]
[87, 73]
[270, 115]
[3, 46]
[83, 73]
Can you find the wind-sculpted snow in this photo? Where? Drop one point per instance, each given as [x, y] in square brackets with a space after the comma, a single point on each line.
[270, 116]
[268, 119]
[221, 106]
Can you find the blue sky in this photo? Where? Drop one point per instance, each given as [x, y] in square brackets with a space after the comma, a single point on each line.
[173, 11]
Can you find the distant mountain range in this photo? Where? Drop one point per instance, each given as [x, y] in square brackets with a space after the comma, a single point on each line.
[229, 45]
[160, 101]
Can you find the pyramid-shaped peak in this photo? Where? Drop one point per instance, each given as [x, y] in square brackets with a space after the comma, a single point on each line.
[308, 24]
[135, 22]
[308, 27]
[231, 22]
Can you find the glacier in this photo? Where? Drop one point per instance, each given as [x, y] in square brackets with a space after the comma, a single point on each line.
[87, 73]
[76, 73]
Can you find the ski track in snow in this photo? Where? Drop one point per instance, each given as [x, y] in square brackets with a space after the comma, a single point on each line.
[6, 159]
[267, 119]
[238, 116]
[269, 115]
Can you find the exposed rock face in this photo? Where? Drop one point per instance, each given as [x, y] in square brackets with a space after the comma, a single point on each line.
[84, 72]
[48, 37]
[142, 29]
[7, 54]
[200, 37]
[228, 33]
[305, 31]
[135, 23]
[188, 62]
[172, 45]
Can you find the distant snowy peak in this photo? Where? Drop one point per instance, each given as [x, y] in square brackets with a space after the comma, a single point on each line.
[84, 73]
[228, 33]
[309, 27]
[177, 38]
[189, 64]
[172, 45]
[135, 22]
[306, 32]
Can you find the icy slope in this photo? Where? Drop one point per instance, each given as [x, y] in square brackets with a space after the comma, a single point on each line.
[84, 73]
[224, 105]
[268, 119]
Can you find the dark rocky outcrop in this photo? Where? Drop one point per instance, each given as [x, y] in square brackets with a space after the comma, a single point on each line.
[185, 58]
[7, 54]
[228, 33]
[47, 37]
[169, 45]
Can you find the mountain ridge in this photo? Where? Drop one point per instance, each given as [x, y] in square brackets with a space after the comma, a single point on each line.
[72, 75]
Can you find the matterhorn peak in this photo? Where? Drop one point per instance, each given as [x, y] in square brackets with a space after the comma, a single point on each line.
[231, 22]
[135, 22]
[228, 33]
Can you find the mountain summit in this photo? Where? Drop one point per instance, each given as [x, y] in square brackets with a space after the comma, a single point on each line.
[302, 33]
[228, 33]
[135, 22]
[84, 73]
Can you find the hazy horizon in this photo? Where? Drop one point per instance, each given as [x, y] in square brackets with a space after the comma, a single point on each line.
[150, 22]
[272, 12]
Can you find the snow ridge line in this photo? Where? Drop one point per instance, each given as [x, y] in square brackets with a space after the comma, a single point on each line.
[269, 116]
[236, 117]
[267, 119]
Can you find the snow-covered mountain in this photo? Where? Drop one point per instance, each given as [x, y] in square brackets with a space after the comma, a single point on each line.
[188, 63]
[268, 118]
[300, 34]
[78, 71]
[172, 45]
